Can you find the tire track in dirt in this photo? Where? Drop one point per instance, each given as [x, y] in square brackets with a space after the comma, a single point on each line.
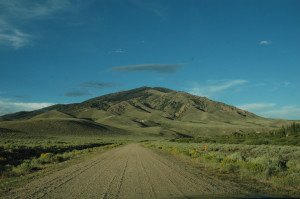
[190, 178]
[129, 171]
[152, 192]
[40, 188]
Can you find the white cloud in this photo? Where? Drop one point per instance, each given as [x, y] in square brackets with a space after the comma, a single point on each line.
[279, 85]
[14, 38]
[15, 13]
[159, 68]
[32, 9]
[270, 110]
[285, 112]
[116, 51]
[256, 107]
[158, 9]
[7, 107]
[286, 83]
[211, 90]
[264, 42]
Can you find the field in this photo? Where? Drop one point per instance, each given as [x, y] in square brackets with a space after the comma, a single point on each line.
[286, 135]
[22, 153]
[270, 157]
[30, 146]
[277, 165]
[264, 162]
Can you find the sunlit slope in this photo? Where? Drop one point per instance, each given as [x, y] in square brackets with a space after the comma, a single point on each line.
[153, 111]
[60, 127]
[53, 114]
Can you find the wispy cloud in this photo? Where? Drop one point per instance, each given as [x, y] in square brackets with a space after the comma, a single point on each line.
[285, 112]
[15, 13]
[158, 68]
[33, 9]
[20, 96]
[217, 86]
[279, 85]
[256, 107]
[157, 9]
[98, 85]
[7, 106]
[270, 110]
[264, 42]
[117, 51]
[286, 83]
[14, 38]
[88, 88]
[77, 93]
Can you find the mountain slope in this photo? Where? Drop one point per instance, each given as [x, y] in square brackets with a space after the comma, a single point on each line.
[51, 115]
[155, 111]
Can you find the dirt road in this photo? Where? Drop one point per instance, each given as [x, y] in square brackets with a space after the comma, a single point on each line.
[131, 171]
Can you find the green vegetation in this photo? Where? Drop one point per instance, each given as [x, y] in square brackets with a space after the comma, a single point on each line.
[16, 160]
[286, 135]
[278, 163]
[22, 153]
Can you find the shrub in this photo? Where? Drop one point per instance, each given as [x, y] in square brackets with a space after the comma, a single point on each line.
[210, 157]
[59, 158]
[272, 166]
[43, 155]
[46, 158]
[252, 167]
[277, 164]
[228, 164]
[2, 159]
[293, 164]
[237, 156]
[194, 154]
[24, 168]
[292, 180]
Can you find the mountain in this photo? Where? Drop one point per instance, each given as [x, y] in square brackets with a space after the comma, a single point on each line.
[144, 111]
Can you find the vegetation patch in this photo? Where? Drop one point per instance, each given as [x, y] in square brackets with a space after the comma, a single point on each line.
[278, 165]
[21, 160]
[286, 135]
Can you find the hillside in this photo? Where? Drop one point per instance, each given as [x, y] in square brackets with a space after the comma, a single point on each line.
[145, 111]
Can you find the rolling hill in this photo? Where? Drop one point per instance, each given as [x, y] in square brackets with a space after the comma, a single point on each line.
[143, 111]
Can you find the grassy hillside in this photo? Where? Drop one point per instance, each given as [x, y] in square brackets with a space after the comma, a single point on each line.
[145, 110]
[53, 127]
[52, 114]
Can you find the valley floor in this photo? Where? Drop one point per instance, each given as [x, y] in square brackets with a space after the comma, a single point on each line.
[130, 171]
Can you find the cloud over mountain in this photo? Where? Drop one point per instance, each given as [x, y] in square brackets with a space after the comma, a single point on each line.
[212, 88]
[7, 106]
[87, 88]
[158, 68]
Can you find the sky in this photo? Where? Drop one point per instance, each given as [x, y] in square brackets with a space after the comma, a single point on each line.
[245, 53]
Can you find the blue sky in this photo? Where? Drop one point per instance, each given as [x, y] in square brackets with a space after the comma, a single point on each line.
[243, 53]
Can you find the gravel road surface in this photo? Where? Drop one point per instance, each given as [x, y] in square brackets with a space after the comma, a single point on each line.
[130, 171]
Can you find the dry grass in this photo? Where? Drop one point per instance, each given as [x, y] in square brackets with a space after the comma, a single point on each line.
[278, 165]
